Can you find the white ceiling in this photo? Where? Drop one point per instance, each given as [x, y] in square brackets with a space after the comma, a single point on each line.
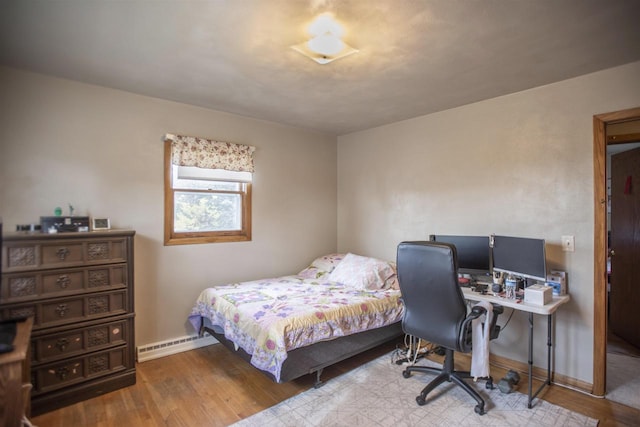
[416, 57]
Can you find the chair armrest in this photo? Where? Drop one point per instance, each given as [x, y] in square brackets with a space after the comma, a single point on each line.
[476, 312]
[464, 338]
[495, 328]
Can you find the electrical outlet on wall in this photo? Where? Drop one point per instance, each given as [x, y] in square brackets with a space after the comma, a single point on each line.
[568, 244]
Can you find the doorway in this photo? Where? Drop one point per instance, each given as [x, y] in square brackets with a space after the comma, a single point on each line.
[600, 123]
[623, 220]
[623, 335]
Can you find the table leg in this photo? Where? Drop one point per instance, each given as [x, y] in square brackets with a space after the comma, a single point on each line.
[530, 382]
[549, 345]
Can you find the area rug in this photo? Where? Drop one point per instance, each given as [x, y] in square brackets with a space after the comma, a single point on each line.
[623, 379]
[376, 394]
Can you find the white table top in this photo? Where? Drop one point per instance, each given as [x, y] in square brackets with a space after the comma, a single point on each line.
[546, 309]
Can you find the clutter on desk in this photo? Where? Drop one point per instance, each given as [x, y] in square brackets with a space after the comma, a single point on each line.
[538, 294]
[558, 281]
[510, 287]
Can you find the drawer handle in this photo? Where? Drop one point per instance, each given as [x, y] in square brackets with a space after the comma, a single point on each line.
[61, 309]
[62, 344]
[62, 373]
[62, 253]
[63, 281]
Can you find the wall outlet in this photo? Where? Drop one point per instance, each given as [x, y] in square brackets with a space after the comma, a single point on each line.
[568, 244]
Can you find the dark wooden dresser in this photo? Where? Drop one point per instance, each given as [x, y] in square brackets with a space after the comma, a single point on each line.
[78, 287]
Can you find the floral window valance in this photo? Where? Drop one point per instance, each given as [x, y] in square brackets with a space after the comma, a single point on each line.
[206, 153]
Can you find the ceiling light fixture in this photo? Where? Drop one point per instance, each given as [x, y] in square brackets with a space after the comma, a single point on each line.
[326, 43]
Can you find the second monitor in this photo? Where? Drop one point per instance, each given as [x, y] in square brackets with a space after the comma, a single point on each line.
[520, 256]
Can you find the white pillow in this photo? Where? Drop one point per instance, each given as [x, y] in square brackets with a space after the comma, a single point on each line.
[362, 272]
[321, 266]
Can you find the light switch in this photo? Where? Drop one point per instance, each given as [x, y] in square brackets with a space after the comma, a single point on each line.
[568, 244]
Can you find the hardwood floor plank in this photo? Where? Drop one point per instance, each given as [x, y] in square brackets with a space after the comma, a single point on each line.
[211, 386]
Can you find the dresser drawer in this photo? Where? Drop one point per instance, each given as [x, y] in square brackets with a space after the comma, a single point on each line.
[28, 255]
[62, 311]
[17, 287]
[52, 347]
[77, 370]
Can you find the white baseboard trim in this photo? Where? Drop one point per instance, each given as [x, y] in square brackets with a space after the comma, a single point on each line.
[173, 346]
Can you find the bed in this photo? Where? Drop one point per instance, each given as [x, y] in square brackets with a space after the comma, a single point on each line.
[290, 326]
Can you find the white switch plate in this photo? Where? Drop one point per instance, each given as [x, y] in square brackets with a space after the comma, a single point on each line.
[568, 244]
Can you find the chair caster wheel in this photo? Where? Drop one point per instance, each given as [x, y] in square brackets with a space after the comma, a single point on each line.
[421, 400]
[406, 374]
[489, 384]
[479, 409]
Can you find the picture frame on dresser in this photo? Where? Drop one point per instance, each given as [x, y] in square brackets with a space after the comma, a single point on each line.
[98, 224]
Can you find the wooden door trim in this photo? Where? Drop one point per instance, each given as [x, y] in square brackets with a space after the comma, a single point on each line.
[600, 242]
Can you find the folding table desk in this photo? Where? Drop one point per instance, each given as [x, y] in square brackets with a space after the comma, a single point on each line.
[545, 310]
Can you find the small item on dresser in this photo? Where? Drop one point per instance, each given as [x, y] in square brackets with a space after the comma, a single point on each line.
[538, 294]
[100, 223]
[28, 227]
[60, 224]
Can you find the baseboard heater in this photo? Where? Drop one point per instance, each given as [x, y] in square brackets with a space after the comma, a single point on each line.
[173, 346]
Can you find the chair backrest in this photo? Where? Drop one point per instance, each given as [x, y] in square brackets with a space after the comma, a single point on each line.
[434, 305]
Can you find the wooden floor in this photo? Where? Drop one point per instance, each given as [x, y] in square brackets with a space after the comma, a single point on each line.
[212, 387]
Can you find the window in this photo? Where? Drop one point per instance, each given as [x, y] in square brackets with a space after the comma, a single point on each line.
[207, 191]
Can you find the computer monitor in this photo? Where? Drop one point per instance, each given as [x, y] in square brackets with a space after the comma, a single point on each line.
[474, 253]
[520, 256]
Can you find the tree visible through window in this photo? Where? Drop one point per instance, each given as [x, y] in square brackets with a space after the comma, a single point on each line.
[203, 204]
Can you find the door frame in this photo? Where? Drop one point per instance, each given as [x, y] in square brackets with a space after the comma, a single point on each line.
[600, 122]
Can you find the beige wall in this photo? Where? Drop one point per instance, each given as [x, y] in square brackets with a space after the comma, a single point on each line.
[518, 165]
[101, 150]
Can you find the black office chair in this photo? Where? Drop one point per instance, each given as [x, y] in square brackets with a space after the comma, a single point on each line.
[435, 310]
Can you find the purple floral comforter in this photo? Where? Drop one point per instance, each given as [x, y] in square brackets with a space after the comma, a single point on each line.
[269, 317]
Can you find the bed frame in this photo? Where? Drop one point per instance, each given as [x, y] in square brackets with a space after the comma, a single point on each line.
[314, 358]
